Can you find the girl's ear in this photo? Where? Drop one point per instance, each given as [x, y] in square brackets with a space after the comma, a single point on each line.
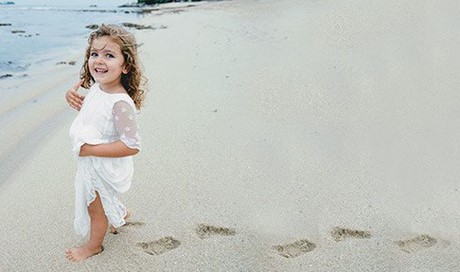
[125, 69]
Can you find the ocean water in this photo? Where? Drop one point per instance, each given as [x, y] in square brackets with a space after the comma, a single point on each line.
[30, 34]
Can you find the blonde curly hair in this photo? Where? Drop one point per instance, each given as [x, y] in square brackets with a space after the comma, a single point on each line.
[133, 80]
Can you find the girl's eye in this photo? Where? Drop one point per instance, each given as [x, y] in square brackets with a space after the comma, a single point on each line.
[93, 54]
[110, 56]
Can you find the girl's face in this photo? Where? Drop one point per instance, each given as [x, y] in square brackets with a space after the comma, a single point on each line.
[106, 64]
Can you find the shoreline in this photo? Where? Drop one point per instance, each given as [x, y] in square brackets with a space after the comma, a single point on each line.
[17, 69]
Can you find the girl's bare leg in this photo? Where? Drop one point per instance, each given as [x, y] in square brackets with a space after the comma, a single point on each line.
[98, 229]
[113, 229]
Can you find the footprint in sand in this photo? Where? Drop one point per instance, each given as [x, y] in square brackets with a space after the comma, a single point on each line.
[420, 242]
[127, 224]
[134, 224]
[295, 249]
[340, 234]
[160, 246]
[206, 231]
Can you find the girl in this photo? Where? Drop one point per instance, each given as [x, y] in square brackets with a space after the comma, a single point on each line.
[104, 134]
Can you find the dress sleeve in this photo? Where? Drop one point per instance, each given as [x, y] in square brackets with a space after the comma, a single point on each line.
[125, 124]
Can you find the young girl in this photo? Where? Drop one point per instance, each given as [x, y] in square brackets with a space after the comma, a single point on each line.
[104, 134]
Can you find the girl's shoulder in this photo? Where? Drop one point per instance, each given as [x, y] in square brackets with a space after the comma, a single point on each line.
[123, 99]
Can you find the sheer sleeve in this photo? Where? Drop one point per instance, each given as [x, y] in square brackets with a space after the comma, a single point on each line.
[125, 124]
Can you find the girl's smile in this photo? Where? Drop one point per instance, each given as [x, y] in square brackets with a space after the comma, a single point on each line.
[100, 70]
[106, 64]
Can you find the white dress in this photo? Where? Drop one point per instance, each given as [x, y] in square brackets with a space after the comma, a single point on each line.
[104, 118]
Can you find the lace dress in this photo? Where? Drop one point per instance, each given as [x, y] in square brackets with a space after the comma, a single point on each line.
[104, 118]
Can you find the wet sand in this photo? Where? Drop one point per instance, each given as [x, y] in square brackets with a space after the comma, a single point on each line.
[277, 136]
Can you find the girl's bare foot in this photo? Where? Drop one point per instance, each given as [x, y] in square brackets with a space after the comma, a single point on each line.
[77, 254]
[114, 230]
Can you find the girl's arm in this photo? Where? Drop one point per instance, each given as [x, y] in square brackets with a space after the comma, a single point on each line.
[129, 142]
[112, 150]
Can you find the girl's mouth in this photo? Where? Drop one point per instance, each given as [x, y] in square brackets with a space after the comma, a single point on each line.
[100, 70]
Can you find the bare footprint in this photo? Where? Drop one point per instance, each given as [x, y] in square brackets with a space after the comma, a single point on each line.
[134, 224]
[206, 231]
[295, 249]
[418, 243]
[340, 234]
[160, 246]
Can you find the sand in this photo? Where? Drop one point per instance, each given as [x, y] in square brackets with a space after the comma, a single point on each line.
[277, 136]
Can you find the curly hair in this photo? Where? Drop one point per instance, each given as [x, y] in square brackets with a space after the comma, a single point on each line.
[131, 81]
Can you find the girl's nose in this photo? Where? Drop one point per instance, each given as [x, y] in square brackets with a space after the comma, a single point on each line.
[99, 59]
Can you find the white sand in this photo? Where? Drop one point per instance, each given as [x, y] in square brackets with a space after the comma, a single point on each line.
[278, 119]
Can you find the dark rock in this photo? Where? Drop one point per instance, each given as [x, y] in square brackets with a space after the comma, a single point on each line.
[5, 76]
[72, 62]
[99, 10]
[132, 5]
[93, 26]
[136, 26]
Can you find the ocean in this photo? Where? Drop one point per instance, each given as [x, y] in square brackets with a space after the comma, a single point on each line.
[31, 34]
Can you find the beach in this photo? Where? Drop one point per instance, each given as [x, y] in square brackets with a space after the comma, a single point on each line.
[276, 136]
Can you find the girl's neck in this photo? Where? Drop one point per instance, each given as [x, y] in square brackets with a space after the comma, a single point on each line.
[112, 88]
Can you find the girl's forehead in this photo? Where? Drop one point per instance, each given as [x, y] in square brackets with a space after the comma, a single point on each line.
[105, 42]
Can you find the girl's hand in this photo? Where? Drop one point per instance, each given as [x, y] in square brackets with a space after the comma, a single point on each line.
[85, 150]
[72, 96]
